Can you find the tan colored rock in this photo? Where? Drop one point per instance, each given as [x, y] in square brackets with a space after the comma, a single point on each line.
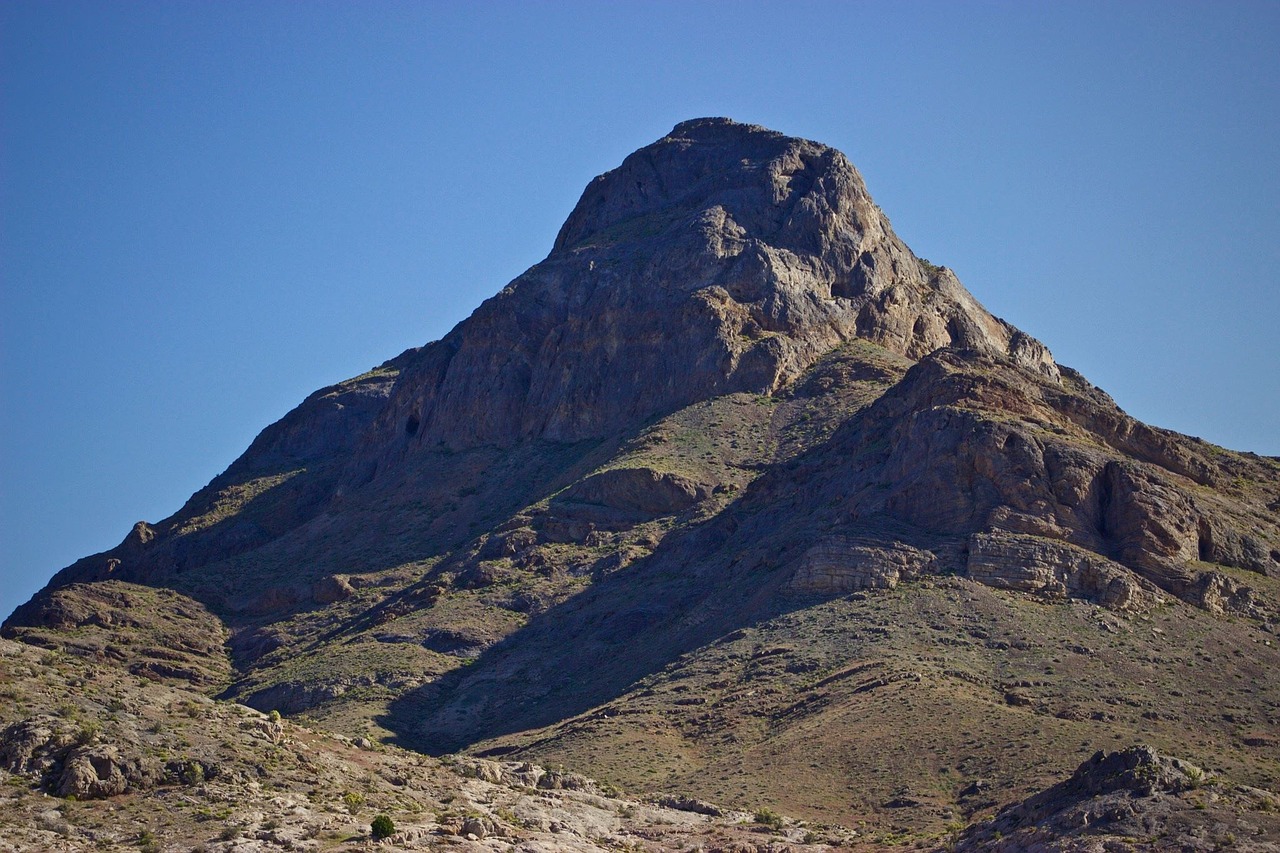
[90, 774]
[1220, 593]
[967, 443]
[837, 564]
[1055, 570]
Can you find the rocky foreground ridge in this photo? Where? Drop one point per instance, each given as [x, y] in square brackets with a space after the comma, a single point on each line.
[731, 495]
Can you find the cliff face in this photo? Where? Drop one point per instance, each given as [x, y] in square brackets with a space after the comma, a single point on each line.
[721, 258]
[672, 474]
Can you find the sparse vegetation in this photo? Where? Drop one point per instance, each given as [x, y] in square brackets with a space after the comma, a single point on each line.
[193, 773]
[87, 732]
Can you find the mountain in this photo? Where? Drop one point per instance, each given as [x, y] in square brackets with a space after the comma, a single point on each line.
[733, 496]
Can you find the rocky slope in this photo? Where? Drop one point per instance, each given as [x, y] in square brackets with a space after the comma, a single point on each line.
[731, 495]
[1134, 798]
[96, 759]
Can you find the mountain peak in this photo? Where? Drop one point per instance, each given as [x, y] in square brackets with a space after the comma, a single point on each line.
[752, 173]
[722, 257]
[647, 500]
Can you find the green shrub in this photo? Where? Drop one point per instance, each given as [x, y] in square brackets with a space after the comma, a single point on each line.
[193, 773]
[382, 827]
[353, 801]
[930, 269]
[768, 817]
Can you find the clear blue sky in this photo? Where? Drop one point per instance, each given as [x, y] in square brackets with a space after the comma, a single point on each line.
[208, 210]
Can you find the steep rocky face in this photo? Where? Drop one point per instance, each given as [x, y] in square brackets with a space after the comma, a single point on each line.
[722, 497]
[723, 257]
[969, 445]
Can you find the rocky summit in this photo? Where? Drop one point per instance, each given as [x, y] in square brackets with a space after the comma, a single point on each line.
[731, 525]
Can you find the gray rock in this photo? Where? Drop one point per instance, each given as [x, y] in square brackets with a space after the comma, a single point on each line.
[724, 257]
[1111, 794]
[33, 744]
[474, 826]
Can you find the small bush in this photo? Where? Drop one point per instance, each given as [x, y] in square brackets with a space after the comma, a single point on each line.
[1195, 777]
[353, 801]
[768, 817]
[382, 827]
[193, 773]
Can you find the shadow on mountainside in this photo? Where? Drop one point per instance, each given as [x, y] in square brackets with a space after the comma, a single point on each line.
[701, 584]
[963, 445]
[589, 649]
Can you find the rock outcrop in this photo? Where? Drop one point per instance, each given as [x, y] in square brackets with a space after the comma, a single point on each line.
[1052, 488]
[153, 632]
[1055, 570]
[70, 763]
[837, 565]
